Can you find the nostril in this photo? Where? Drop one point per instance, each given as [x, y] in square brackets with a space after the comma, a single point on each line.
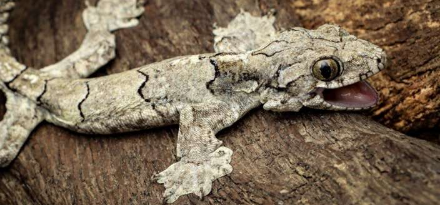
[380, 63]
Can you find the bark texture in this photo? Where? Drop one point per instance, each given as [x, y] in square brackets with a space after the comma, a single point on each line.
[312, 157]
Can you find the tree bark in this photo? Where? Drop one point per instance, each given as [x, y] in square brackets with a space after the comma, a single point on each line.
[310, 157]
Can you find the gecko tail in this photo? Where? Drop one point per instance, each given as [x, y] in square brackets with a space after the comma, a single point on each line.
[24, 86]
[21, 117]
[10, 68]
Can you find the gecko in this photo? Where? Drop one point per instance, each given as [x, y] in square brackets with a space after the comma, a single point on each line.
[253, 65]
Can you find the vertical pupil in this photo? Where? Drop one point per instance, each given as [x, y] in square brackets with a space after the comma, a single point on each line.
[325, 69]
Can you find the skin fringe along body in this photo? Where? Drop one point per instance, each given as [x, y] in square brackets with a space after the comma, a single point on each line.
[254, 65]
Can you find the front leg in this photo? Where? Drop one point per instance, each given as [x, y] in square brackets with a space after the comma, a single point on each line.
[98, 47]
[245, 33]
[113, 14]
[202, 158]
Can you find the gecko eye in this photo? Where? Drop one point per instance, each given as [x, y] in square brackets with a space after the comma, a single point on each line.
[326, 69]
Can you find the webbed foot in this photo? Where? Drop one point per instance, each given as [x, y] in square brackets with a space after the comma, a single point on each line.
[114, 14]
[195, 175]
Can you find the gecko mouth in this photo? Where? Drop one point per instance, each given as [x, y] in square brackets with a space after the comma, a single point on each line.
[357, 95]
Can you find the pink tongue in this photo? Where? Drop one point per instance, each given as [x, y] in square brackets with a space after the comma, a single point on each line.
[357, 95]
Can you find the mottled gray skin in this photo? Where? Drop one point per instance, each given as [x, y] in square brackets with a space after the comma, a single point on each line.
[24, 86]
[202, 93]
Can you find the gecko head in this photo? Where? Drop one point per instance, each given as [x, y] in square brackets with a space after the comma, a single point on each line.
[326, 68]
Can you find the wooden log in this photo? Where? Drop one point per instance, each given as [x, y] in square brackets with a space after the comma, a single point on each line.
[311, 157]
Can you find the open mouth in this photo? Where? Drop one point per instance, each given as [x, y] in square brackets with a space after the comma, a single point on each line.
[357, 95]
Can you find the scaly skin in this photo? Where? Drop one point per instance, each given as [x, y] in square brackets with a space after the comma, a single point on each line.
[202, 93]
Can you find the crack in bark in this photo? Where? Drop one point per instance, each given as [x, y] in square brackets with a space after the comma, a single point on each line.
[79, 106]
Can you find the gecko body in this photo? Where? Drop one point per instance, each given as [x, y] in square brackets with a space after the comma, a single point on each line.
[282, 71]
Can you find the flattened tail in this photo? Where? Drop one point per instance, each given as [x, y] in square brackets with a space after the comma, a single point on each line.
[10, 68]
[5, 7]
[22, 114]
